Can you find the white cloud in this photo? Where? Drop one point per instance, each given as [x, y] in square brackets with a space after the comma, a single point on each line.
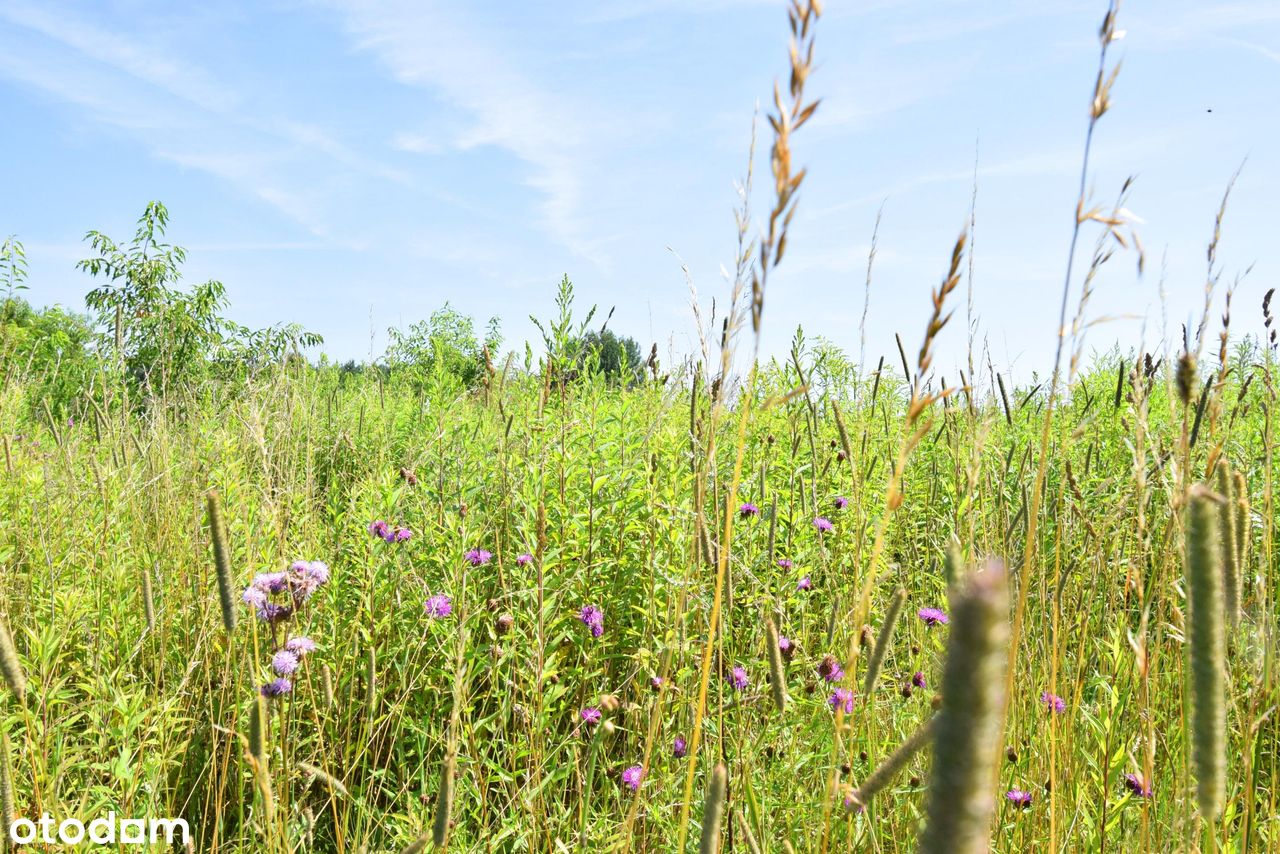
[427, 45]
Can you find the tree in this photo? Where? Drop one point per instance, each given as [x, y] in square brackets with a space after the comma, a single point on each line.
[616, 357]
[443, 348]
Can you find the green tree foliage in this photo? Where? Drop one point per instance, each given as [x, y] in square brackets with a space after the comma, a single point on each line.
[444, 349]
[617, 357]
[161, 336]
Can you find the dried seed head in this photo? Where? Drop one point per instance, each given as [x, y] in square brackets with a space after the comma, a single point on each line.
[967, 732]
[777, 675]
[221, 560]
[712, 809]
[1206, 646]
[444, 804]
[1186, 377]
[10, 666]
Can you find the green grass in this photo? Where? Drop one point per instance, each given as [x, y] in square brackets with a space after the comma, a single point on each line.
[142, 721]
[134, 690]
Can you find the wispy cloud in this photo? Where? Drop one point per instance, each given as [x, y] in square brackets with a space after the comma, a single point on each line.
[433, 46]
[178, 110]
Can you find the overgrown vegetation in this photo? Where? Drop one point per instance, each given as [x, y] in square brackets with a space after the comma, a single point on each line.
[582, 601]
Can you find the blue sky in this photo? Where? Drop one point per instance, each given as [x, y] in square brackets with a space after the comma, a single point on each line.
[353, 165]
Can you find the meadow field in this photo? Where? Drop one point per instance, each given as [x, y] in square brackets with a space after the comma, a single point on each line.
[571, 599]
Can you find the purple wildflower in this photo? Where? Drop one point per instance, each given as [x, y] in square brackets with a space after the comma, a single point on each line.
[439, 606]
[680, 748]
[271, 582]
[804, 584]
[253, 597]
[933, 616]
[842, 697]
[633, 776]
[1136, 784]
[823, 524]
[784, 563]
[400, 535]
[917, 679]
[590, 715]
[380, 529]
[315, 570]
[271, 612]
[841, 502]
[1019, 798]
[593, 618]
[478, 557]
[284, 662]
[739, 678]
[787, 648]
[748, 510]
[524, 559]
[1053, 702]
[655, 682]
[829, 668]
[301, 646]
[277, 688]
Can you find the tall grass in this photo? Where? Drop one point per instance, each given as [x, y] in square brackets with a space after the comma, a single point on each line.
[589, 540]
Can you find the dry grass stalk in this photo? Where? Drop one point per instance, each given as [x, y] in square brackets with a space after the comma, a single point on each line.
[884, 773]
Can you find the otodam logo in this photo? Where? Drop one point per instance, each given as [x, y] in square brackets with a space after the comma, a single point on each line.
[105, 830]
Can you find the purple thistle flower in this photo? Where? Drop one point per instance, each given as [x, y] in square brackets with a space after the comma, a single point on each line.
[1053, 702]
[593, 618]
[804, 584]
[1140, 787]
[284, 662]
[842, 697]
[787, 648]
[783, 563]
[301, 646]
[739, 678]
[633, 776]
[933, 616]
[400, 535]
[748, 510]
[823, 524]
[829, 668]
[917, 679]
[271, 582]
[478, 557]
[277, 688]
[439, 606]
[1019, 798]
[590, 715]
[271, 612]
[841, 502]
[524, 559]
[379, 528]
[315, 570]
[253, 597]
[680, 748]
[655, 682]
